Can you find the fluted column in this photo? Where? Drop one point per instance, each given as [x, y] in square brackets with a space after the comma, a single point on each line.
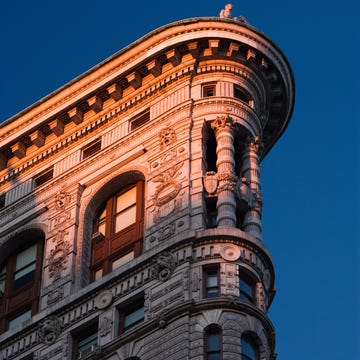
[225, 164]
[251, 171]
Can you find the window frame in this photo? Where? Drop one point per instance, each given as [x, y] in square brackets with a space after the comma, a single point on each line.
[112, 246]
[208, 90]
[83, 333]
[247, 296]
[26, 297]
[213, 329]
[250, 341]
[211, 269]
[130, 307]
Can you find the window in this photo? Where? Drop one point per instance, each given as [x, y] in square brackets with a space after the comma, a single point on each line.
[248, 348]
[211, 282]
[213, 343]
[91, 149]
[85, 341]
[246, 287]
[131, 314]
[241, 94]
[20, 274]
[211, 211]
[118, 230]
[140, 120]
[44, 177]
[209, 90]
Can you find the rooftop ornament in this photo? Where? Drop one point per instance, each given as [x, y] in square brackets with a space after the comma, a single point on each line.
[226, 14]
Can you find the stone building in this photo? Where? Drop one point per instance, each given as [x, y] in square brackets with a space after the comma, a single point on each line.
[130, 202]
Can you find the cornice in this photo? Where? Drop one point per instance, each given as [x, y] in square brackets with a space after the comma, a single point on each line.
[202, 38]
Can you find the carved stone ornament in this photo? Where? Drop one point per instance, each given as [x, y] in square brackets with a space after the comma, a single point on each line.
[163, 267]
[104, 299]
[62, 199]
[221, 122]
[167, 137]
[105, 326]
[210, 182]
[230, 252]
[49, 329]
[168, 187]
[57, 259]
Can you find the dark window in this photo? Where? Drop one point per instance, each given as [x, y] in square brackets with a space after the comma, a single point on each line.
[249, 349]
[44, 177]
[211, 282]
[85, 341]
[211, 156]
[211, 211]
[20, 276]
[246, 287]
[140, 120]
[118, 230]
[91, 149]
[208, 90]
[241, 94]
[213, 346]
[131, 314]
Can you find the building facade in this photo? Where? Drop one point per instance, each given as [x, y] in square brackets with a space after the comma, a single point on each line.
[130, 202]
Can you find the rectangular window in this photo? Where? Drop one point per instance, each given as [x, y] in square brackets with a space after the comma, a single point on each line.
[25, 266]
[131, 314]
[140, 120]
[85, 341]
[20, 318]
[125, 209]
[44, 177]
[211, 282]
[246, 289]
[209, 90]
[91, 149]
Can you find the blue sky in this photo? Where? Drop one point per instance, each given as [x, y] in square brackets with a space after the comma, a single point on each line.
[310, 178]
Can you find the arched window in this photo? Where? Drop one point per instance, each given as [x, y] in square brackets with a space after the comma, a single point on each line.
[249, 350]
[20, 275]
[118, 230]
[213, 343]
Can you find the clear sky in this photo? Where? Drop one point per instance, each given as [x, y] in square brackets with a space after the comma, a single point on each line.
[310, 178]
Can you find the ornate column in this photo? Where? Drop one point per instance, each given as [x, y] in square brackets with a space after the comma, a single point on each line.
[225, 164]
[251, 171]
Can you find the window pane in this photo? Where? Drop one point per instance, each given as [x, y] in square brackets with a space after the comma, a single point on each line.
[25, 265]
[134, 317]
[98, 274]
[125, 218]
[213, 342]
[214, 356]
[19, 319]
[85, 344]
[25, 257]
[212, 279]
[126, 200]
[122, 260]
[102, 222]
[247, 349]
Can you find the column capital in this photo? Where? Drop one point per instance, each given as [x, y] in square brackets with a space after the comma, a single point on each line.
[221, 122]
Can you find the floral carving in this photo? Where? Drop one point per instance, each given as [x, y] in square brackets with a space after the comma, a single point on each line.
[105, 326]
[49, 329]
